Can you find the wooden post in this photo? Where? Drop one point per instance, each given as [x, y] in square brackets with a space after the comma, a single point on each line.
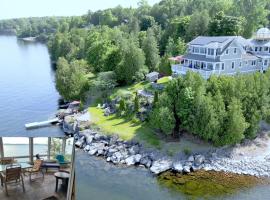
[64, 146]
[31, 149]
[1, 148]
[71, 183]
[49, 148]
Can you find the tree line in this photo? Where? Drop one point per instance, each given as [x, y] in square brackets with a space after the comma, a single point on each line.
[119, 46]
[223, 110]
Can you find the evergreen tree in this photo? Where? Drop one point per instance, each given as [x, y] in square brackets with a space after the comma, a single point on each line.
[151, 51]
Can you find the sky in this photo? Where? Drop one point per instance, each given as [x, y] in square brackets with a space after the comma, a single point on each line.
[38, 8]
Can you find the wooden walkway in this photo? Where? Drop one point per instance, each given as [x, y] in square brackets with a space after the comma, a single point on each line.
[37, 190]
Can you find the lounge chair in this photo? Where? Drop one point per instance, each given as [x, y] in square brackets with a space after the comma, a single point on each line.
[13, 174]
[35, 169]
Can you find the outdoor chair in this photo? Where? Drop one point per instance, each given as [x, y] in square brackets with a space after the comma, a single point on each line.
[12, 175]
[6, 161]
[61, 160]
[36, 169]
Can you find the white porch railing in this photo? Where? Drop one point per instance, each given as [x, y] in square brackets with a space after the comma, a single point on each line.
[182, 70]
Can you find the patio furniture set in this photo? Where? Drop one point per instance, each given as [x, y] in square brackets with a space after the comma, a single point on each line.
[12, 172]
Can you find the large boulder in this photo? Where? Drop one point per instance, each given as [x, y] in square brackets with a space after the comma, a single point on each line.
[134, 159]
[160, 166]
[186, 169]
[146, 161]
[198, 160]
[134, 150]
[116, 157]
[70, 125]
[80, 142]
[177, 166]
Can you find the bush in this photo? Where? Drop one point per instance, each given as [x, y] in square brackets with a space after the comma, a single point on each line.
[187, 151]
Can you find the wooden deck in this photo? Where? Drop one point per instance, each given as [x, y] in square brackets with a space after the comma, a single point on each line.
[38, 190]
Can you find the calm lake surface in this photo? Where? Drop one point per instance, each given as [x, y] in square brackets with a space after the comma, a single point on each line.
[27, 94]
[27, 89]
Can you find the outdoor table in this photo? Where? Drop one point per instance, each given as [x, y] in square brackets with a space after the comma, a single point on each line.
[22, 165]
[64, 176]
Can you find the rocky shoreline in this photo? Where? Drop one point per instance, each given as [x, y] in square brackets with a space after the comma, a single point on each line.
[131, 153]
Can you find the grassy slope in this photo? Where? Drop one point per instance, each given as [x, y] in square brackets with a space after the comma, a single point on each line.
[126, 128]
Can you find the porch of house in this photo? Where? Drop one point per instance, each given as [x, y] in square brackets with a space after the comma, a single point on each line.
[38, 189]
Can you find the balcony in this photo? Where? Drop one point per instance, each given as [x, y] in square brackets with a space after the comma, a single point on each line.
[181, 69]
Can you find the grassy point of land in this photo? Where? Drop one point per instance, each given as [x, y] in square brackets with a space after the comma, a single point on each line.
[126, 128]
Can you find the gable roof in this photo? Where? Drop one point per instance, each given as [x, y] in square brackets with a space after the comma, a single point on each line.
[217, 41]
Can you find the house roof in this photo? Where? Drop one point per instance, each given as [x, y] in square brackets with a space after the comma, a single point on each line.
[249, 56]
[152, 74]
[255, 42]
[218, 41]
[201, 58]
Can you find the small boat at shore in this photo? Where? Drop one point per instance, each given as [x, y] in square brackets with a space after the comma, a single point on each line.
[41, 124]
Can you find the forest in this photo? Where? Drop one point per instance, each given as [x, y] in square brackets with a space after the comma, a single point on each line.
[119, 46]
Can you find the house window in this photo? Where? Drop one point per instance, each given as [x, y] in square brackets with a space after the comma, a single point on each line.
[227, 51]
[246, 62]
[240, 64]
[222, 66]
[253, 62]
[196, 49]
[260, 49]
[202, 50]
[266, 49]
[256, 48]
[217, 66]
[234, 51]
[232, 65]
[265, 62]
[210, 52]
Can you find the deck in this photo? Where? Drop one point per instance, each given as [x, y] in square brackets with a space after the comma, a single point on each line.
[37, 190]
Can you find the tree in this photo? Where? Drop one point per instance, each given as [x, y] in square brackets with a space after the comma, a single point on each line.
[136, 104]
[155, 99]
[71, 81]
[175, 48]
[122, 106]
[226, 25]
[150, 48]
[162, 118]
[165, 66]
[132, 65]
[198, 25]
[235, 124]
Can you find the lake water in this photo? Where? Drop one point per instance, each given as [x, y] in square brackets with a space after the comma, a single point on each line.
[27, 89]
[27, 94]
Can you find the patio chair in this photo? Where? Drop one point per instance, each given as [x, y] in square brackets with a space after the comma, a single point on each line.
[6, 161]
[13, 174]
[37, 168]
[61, 160]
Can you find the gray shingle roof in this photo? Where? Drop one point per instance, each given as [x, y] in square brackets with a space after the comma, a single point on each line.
[204, 40]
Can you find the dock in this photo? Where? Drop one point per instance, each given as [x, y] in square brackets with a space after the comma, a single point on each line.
[41, 124]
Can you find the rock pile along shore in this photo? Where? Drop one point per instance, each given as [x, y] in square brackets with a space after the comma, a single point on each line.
[129, 153]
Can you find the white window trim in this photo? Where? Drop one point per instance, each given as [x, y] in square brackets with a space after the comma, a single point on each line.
[222, 65]
[233, 65]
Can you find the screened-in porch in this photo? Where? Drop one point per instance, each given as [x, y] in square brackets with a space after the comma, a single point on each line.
[36, 168]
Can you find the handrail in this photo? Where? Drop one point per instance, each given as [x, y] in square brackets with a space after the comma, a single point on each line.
[43, 155]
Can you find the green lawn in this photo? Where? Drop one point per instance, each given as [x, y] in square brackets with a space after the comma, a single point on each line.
[164, 80]
[126, 128]
[131, 89]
